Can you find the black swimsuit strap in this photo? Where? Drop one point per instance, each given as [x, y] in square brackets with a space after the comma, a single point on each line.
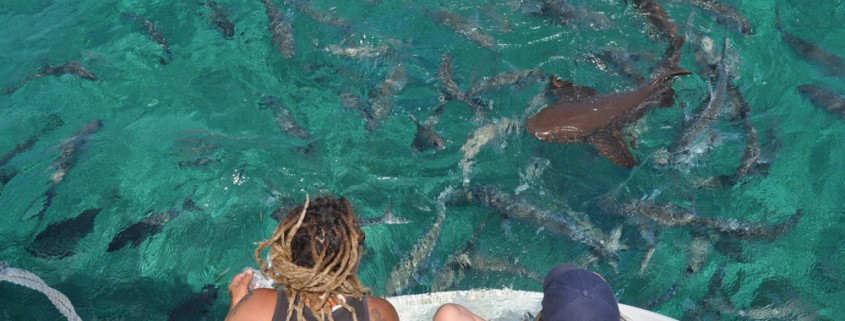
[361, 309]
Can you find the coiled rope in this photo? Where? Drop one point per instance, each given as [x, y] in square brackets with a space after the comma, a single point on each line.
[32, 281]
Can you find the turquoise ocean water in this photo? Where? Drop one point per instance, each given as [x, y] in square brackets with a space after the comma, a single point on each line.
[194, 127]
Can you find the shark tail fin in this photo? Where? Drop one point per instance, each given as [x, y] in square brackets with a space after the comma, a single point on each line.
[673, 71]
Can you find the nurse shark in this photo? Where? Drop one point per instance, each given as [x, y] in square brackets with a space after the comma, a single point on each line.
[584, 116]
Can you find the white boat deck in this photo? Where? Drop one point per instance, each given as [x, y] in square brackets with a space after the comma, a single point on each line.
[493, 305]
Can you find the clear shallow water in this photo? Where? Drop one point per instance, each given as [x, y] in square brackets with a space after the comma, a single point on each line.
[205, 104]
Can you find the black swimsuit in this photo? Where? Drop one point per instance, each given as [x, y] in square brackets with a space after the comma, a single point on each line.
[341, 314]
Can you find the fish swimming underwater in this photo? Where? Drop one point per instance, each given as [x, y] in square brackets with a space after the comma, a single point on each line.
[6, 175]
[154, 35]
[285, 121]
[663, 26]
[510, 78]
[151, 225]
[828, 63]
[73, 68]
[381, 98]
[199, 162]
[673, 216]
[751, 162]
[400, 277]
[481, 136]
[563, 13]
[426, 138]
[498, 201]
[824, 98]
[51, 124]
[136, 233]
[705, 116]
[323, 17]
[281, 29]
[220, 19]
[450, 88]
[584, 116]
[71, 149]
[59, 240]
[622, 60]
[458, 262]
[386, 218]
[726, 15]
[463, 27]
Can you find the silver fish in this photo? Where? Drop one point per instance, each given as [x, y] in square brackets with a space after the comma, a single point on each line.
[492, 264]
[426, 138]
[450, 88]
[791, 309]
[683, 148]
[328, 18]
[498, 201]
[454, 270]
[362, 51]
[511, 78]
[71, 149]
[751, 155]
[386, 218]
[281, 29]
[381, 98]
[699, 249]
[533, 170]
[480, 137]
[673, 216]
[463, 27]
[400, 277]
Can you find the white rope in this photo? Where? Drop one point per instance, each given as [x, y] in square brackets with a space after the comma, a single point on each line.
[32, 281]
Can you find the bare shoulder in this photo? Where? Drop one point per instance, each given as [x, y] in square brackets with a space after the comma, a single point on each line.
[258, 306]
[381, 310]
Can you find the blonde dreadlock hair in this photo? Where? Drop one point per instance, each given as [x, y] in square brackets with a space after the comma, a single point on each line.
[314, 254]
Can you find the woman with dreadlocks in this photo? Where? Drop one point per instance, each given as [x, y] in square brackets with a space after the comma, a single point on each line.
[313, 257]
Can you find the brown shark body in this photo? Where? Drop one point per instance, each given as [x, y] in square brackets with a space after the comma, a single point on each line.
[583, 116]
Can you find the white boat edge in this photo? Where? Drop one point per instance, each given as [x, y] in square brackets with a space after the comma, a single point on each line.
[493, 305]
